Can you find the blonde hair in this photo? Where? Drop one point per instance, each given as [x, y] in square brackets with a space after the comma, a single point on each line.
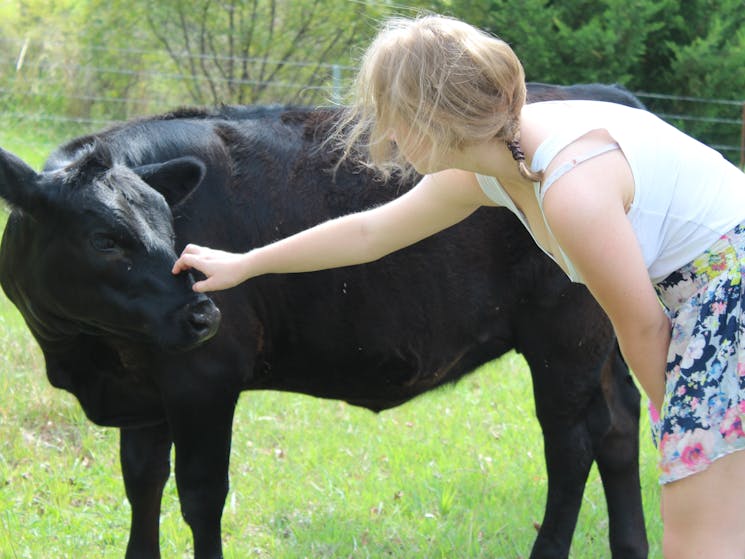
[447, 82]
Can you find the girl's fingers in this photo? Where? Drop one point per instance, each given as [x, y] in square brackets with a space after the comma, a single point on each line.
[186, 262]
[180, 265]
[200, 286]
[191, 249]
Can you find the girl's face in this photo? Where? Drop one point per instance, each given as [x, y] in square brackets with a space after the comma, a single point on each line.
[418, 150]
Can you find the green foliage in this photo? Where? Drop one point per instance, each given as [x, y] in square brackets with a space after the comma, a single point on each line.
[116, 53]
[692, 48]
[107, 60]
[27, 58]
[103, 60]
[635, 43]
[707, 57]
[257, 51]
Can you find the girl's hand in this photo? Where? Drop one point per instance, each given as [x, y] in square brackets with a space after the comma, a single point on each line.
[223, 269]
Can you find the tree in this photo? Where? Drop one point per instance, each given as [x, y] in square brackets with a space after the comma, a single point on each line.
[572, 42]
[112, 59]
[32, 61]
[116, 58]
[692, 48]
[706, 57]
[250, 51]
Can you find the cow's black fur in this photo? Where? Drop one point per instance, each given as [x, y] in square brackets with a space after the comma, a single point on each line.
[86, 257]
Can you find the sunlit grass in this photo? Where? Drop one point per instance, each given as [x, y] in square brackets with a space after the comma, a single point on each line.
[32, 141]
[456, 473]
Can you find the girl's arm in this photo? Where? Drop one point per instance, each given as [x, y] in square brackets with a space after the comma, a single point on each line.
[435, 203]
[585, 211]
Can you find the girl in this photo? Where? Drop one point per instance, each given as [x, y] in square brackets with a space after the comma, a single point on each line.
[646, 217]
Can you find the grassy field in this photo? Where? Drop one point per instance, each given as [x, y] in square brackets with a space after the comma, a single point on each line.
[457, 473]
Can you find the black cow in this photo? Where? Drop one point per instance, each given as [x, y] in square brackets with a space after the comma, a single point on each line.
[86, 258]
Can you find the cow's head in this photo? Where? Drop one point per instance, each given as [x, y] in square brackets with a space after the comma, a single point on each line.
[88, 249]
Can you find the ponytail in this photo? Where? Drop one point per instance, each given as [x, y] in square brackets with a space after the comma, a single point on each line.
[518, 155]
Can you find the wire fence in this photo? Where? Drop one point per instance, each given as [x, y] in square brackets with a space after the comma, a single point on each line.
[98, 90]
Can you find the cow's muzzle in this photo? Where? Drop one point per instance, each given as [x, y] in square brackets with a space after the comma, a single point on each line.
[199, 320]
[204, 318]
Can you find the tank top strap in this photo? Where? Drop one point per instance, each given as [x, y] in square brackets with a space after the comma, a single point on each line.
[551, 146]
[572, 163]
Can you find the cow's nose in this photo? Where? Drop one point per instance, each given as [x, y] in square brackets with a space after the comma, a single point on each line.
[203, 318]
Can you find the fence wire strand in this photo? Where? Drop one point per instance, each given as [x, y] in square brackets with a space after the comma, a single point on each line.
[36, 89]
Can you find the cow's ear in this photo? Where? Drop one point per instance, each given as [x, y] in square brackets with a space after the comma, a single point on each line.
[19, 183]
[175, 179]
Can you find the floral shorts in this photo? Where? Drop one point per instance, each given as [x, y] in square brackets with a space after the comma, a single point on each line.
[704, 408]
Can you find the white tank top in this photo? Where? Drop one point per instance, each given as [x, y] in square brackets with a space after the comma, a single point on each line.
[686, 195]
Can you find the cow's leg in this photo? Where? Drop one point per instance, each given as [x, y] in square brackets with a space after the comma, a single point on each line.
[565, 347]
[568, 346]
[617, 455]
[568, 455]
[565, 380]
[201, 421]
[144, 455]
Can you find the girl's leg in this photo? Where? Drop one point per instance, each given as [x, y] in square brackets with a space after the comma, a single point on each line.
[704, 514]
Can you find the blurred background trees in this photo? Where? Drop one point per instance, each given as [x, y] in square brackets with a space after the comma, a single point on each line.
[672, 49]
[96, 61]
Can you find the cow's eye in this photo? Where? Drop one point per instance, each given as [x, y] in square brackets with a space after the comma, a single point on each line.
[103, 243]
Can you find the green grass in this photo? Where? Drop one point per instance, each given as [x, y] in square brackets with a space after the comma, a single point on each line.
[456, 473]
[32, 141]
